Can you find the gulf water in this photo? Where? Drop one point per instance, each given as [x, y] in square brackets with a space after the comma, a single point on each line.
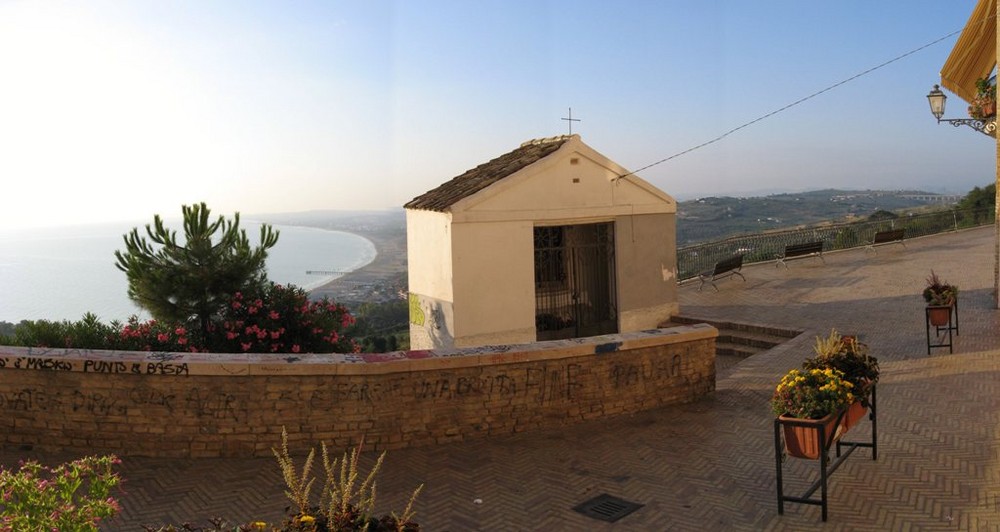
[63, 273]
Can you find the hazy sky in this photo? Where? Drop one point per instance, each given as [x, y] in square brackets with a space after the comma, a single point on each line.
[117, 110]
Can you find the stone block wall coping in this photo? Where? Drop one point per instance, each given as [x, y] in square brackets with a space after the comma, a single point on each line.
[220, 364]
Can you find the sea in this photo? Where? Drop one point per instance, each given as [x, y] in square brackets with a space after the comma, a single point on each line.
[61, 273]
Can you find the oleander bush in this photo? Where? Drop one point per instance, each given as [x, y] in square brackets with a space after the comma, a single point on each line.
[272, 319]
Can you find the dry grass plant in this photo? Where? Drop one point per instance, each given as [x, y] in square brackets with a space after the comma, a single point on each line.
[299, 486]
[343, 502]
[830, 345]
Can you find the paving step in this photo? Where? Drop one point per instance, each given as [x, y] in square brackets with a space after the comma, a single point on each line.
[737, 326]
[724, 363]
[737, 341]
[736, 349]
[761, 341]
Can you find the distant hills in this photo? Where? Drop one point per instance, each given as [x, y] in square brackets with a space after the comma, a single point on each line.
[715, 218]
[699, 220]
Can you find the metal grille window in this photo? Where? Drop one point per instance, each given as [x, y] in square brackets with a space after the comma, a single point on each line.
[550, 258]
[575, 289]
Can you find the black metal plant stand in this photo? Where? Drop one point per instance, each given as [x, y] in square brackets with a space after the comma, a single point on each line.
[938, 337]
[843, 450]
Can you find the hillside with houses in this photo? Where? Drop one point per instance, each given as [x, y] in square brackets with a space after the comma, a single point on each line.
[717, 217]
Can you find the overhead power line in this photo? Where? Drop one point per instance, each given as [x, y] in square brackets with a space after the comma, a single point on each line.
[796, 102]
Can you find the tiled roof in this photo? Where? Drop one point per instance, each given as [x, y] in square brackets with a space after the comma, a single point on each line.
[484, 175]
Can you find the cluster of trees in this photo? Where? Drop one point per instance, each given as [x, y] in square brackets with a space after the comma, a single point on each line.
[382, 327]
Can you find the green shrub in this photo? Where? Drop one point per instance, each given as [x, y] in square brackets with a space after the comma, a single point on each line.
[73, 496]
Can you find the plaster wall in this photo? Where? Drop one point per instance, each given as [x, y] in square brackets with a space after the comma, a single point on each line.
[494, 280]
[429, 276]
[428, 253]
[646, 253]
[572, 186]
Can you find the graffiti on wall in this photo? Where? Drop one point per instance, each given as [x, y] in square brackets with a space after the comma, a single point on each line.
[94, 366]
[416, 313]
[140, 400]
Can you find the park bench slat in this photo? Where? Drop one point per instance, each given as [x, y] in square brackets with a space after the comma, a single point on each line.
[795, 251]
[724, 268]
[886, 237]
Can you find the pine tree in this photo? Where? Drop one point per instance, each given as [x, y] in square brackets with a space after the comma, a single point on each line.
[177, 281]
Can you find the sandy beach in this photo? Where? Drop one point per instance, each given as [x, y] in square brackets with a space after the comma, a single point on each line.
[380, 280]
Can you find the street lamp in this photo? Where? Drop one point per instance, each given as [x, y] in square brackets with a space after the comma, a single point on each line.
[937, 99]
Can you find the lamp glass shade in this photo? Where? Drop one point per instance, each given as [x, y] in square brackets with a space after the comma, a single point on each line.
[937, 99]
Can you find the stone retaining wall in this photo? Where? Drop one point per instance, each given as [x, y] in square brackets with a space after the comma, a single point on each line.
[196, 405]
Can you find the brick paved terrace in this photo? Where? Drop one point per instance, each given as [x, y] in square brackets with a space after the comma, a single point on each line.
[707, 465]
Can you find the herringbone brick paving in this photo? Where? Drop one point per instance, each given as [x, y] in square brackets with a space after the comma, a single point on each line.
[707, 465]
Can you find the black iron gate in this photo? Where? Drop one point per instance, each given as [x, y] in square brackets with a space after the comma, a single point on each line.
[575, 293]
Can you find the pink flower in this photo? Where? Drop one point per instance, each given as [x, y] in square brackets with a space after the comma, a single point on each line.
[252, 310]
[246, 346]
[273, 315]
[296, 348]
[231, 335]
[275, 335]
[237, 305]
[162, 337]
[180, 331]
[182, 340]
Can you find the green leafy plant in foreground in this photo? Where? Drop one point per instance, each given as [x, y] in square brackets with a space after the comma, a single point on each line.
[72, 496]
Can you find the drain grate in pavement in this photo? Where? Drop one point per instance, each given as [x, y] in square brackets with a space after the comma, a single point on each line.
[607, 508]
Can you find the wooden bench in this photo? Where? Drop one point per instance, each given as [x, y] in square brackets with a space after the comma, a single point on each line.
[886, 237]
[723, 268]
[801, 251]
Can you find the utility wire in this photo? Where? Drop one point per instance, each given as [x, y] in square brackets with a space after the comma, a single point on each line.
[797, 102]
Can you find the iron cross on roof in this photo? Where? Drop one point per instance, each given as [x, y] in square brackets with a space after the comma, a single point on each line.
[570, 120]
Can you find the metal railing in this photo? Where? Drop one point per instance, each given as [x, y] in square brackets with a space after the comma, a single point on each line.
[763, 247]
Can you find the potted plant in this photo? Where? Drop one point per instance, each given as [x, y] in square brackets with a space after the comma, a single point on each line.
[810, 399]
[849, 356]
[984, 104]
[940, 297]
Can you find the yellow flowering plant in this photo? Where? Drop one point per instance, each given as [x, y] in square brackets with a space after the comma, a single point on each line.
[849, 356]
[812, 393]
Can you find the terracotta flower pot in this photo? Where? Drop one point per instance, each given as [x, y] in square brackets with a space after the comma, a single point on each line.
[803, 441]
[939, 316]
[855, 413]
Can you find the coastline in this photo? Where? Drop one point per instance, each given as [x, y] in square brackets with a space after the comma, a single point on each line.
[380, 280]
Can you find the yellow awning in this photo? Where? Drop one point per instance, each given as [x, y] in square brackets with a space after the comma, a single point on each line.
[974, 54]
